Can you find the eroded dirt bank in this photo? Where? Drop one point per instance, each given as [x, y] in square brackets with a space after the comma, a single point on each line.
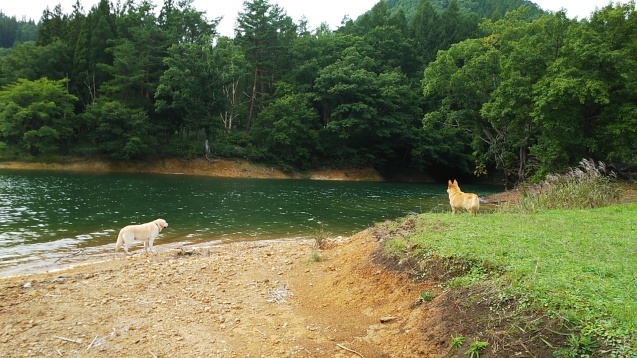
[237, 168]
[256, 299]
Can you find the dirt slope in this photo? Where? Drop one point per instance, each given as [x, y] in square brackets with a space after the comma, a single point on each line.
[256, 299]
[237, 168]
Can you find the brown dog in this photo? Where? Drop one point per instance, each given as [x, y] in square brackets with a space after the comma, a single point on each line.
[460, 200]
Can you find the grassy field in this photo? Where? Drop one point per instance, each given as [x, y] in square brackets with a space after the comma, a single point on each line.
[578, 265]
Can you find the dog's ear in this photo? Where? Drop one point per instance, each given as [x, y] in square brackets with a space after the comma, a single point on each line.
[449, 183]
[455, 182]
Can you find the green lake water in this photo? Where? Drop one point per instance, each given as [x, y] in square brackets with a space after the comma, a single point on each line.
[46, 215]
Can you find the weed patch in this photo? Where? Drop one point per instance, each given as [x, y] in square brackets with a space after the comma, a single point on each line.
[590, 185]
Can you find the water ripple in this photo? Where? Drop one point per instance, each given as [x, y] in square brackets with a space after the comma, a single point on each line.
[43, 214]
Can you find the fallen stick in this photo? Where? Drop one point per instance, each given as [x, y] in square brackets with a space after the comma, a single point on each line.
[91, 345]
[68, 339]
[152, 354]
[349, 350]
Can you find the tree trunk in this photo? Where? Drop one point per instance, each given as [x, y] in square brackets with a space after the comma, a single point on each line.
[254, 96]
[523, 155]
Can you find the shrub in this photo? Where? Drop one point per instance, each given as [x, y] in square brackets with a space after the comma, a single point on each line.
[320, 237]
[590, 185]
[427, 296]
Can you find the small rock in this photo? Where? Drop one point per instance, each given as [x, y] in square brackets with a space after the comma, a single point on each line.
[387, 319]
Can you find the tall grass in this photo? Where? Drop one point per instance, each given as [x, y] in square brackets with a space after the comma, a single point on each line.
[580, 266]
[589, 185]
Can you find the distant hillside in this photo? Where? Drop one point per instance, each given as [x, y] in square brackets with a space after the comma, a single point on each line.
[482, 8]
[14, 32]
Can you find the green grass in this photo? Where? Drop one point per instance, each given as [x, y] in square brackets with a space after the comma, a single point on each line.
[476, 348]
[457, 342]
[580, 266]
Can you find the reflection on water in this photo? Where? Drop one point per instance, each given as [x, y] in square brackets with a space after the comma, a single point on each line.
[44, 215]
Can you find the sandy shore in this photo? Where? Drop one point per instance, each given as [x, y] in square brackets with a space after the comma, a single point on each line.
[245, 299]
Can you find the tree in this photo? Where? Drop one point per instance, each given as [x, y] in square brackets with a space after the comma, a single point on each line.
[233, 67]
[367, 115]
[483, 86]
[424, 29]
[570, 98]
[13, 32]
[127, 74]
[192, 86]
[37, 115]
[118, 131]
[31, 62]
[51, 26]
[616, 26]
[288, 129]
[264, 32]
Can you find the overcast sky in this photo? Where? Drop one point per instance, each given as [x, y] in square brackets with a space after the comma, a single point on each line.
[316, 11]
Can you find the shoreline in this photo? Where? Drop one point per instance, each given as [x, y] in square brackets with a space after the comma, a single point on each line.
[202, 167]
[102, 253]
[262, 298]
[226, 168]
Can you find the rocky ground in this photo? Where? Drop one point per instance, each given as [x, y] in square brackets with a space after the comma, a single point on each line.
[247, 299]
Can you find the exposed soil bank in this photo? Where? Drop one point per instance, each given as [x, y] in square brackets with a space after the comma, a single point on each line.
[238, 168]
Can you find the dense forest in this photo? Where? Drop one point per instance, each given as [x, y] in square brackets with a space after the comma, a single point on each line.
[446, 87]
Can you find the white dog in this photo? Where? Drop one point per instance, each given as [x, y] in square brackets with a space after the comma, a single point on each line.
[146, 233]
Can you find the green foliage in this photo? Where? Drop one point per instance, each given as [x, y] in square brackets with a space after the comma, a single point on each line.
[43, 140]
[545, 91]
[190, 86]
[31, 62]
[476, 348]
[289, 129]
[578, 346]
[427, 296]
[264, 31]
[36, 115]
[367, 115]
[482, 9]
[117, 131]
[457, 342]
[571, 264]
[13, 32]
[524, 93]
